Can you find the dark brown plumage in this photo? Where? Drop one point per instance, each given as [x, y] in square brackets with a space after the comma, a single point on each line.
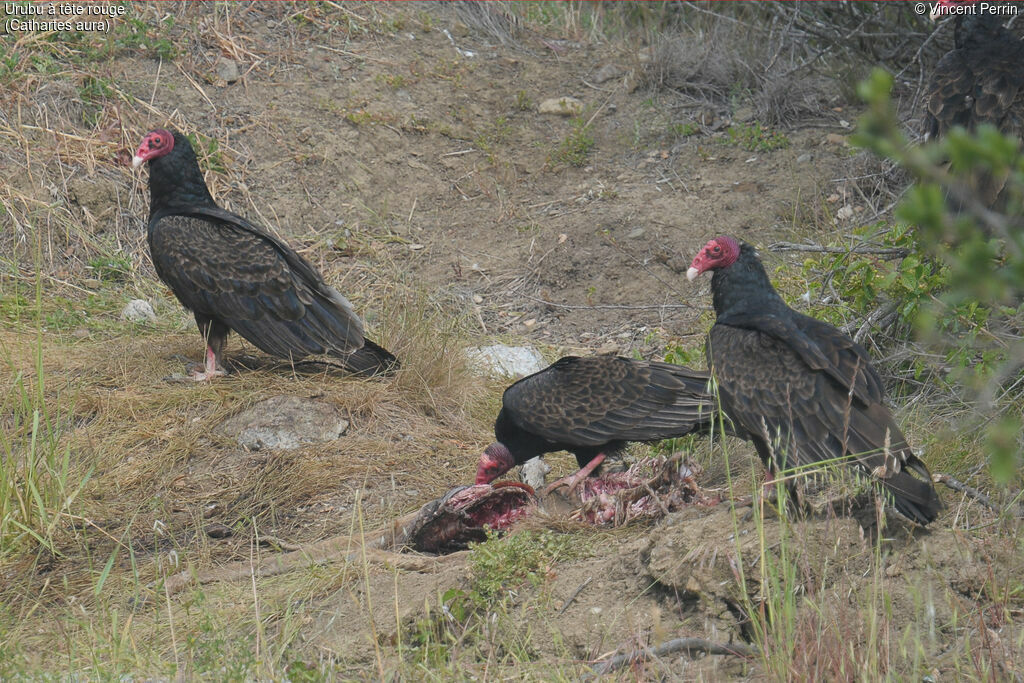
[592, 407]
[233, 275]
[799, 388]
[979, 81]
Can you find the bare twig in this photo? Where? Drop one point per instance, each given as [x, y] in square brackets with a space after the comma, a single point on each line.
[688, 645]
[892, 252]
[574, 595]
[614, 307]
[969, 491]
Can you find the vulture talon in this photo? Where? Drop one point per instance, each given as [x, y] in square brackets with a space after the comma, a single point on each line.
[574, 480]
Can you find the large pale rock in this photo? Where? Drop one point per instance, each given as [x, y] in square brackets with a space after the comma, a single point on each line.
[138, 311]
[285, 422]
[534, 472]
[502, 360]
[563, 106]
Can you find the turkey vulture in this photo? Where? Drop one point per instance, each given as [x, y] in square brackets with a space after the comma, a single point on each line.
[592, 407]
[800, 389]
[233, 275]
[980, 80]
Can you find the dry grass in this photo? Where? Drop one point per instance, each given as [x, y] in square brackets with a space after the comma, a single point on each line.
[147, 473]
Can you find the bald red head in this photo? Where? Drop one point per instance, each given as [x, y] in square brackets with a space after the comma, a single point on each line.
[157, 143]
[495, 461]
[720, 252]
[943, 7]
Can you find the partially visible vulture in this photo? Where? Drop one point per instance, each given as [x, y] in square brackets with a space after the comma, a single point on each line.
[234, 275]
[800, 389]
[592, 407]
[980, 80]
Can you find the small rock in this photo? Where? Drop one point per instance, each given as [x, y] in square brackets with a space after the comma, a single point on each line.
[679, 263]
[96, 194]
[503, 360]
[562, 237]
[285, 422]
[138, 311]
[218, 530]
[843, 123]
[529, 324]
[636, 233]
[744, 114]
[562, 106]
[608, 348]
[227, 69]
[644, 55]
[607, 73]
[477, 299]
[804, 158]
[832, 198]
[534, 471]
[415, 247]
[835, 139]
[845, 213]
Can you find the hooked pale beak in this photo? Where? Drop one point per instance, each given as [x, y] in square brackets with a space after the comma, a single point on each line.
[137, 161]
[692, 273]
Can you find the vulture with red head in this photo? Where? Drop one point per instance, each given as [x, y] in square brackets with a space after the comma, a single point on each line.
[803, 391]
[233, 275]
[592, 407]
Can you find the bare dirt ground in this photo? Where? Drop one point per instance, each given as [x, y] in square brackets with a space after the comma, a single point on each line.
[429, 189]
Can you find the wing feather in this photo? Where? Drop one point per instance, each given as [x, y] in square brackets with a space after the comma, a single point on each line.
[592, 401]
[805, 416]
[221, 265]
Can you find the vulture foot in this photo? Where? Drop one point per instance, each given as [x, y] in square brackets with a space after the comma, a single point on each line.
[211, 370]
[574, 480]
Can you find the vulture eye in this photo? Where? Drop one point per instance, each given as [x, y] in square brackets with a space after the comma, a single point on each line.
[716, 250]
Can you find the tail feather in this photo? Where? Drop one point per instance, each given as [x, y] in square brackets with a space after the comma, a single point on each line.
[915, 498]
[370, 360]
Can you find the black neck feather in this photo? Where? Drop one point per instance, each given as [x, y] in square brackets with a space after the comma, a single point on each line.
[743, 288]
[175, 181]
[975, 31]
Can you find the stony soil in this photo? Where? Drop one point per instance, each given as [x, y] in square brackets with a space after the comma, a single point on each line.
[399, 164]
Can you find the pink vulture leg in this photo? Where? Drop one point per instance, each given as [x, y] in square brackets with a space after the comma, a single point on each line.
[216, 335]
[211, 368]
[574, 480]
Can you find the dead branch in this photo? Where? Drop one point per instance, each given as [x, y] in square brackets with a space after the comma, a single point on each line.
[969, 491]
[688, 645]
[574, 595]
[883, 316]
[890, 252]
[612, 307]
